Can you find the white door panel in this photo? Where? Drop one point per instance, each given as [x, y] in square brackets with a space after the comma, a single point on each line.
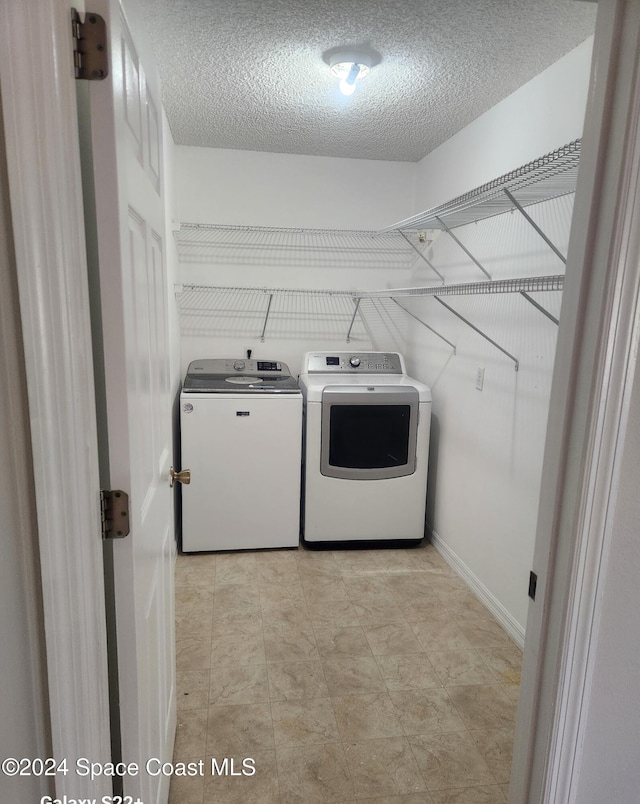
[127, 147]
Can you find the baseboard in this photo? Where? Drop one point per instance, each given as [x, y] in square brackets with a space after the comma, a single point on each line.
[510, 625]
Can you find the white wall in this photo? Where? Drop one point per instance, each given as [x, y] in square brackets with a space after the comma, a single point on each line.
[245, 188]
[487, 446]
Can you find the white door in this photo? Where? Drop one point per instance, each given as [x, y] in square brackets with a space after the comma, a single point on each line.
[125, 123]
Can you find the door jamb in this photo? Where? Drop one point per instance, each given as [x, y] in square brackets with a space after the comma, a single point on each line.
[39, 106]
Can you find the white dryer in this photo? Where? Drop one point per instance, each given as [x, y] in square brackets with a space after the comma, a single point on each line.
[366, 447]
[241, 439]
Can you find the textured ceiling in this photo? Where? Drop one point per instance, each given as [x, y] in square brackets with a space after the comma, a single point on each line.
[251, 75]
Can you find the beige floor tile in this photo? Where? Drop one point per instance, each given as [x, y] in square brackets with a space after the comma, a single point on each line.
[225, 622]
[363, 587]
[283, 613]
[426, 711]
[398, 559]
[421, 607]
[446, 581]
[244, 684]
[236, 568]
[254, 779]
[326, 662]
[505, 662]
[342, 641]
[316, 559]
[236, 598]
[237, 649]
[352, 675]
[434, 635]
[450, 760]
[193, 652]
[408, 798]
[191, 735]
[411, 583]
[484, 633]
[290, 644]
[485, 794]
[381, 609]
[484, 707]
[196, 570]
[290, 681]
[239, 729]
[463, 605]
[383, 767]
[460, 667]
[187, 790]
[366, 717]
[408, 672]
[315, 774]
[323, 587]
[356, 561]
[332, 613]
[496, 746]
[281, 591]
[194, 616]
[192, 688]
[391, 639]
[308, 722]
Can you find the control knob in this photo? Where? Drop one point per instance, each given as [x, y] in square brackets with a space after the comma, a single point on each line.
[354, 361]
[239, 365]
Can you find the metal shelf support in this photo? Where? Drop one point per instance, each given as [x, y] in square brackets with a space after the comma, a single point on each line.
[421, 255]
[480, 332]
[463, 247]
[355, 313]
[266, 318]
[538, 306]
[530, 220]
[424, 324]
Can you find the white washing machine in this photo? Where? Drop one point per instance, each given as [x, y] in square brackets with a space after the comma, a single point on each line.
[241, 435]
[366, 446]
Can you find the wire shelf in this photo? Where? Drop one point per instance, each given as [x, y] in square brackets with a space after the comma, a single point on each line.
[306, 248]
[530, 284]
[547, 177]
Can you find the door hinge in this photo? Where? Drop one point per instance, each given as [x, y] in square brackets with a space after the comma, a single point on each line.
[89, 46]
[114, 507]
[533, 585]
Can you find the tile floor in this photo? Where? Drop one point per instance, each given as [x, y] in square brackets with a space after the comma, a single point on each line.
[370, 675]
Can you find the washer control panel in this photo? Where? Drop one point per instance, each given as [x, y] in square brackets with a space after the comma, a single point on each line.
[353, 363]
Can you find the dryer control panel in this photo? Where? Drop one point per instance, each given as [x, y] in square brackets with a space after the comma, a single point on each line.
[353, 363]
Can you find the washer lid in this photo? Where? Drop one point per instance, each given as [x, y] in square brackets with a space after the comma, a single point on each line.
[243, 380]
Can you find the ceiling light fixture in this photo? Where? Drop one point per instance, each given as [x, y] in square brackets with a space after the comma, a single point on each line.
[348, 66]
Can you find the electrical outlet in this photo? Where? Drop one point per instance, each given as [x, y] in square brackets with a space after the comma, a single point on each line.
[479, 379]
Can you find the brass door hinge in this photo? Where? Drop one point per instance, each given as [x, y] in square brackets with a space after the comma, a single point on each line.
[89, 46]
[114, 506]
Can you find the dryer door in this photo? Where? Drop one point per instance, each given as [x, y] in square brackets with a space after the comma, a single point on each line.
[369, 432]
